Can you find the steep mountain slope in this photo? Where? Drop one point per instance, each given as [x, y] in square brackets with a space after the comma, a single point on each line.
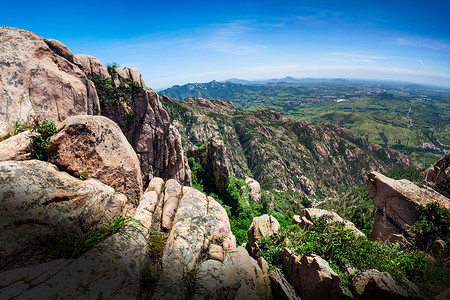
[282, 153]
[398, 115]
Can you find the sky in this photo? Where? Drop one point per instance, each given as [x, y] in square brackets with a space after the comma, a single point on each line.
[179, 42]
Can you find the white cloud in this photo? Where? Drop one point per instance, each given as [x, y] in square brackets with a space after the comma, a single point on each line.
[422, 43]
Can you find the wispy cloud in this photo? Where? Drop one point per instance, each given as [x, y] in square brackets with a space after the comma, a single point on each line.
[230, 38]
[422, 43]
[352, 57]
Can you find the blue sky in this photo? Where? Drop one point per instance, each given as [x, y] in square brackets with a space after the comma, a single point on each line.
[176, 42]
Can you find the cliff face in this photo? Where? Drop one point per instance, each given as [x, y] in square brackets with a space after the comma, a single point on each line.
[281, 153]
[41, 77]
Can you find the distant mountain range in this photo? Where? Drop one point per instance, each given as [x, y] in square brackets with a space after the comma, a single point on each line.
[399, 115]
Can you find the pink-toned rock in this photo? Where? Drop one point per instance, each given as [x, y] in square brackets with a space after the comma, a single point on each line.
[43, 80]
[398, 199]
[373, 284]
[17, 147]
[216, 252]
[262, 226]
[172, 197]
[281, 289]
[312, 276]
[255, 189]
[214, 155]
[145, 123]
[237, 277]
[308, 214]
[40, 205]
[92, 66]
[97, 145]
[384, 230]
[439, 173]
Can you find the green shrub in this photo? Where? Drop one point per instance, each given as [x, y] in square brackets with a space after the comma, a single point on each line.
[433, 224]
[342, 248]
[45, 128]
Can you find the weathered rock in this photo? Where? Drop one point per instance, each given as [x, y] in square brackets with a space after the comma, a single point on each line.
[307, 215]
[439, 173]
[146, 125]
[214, 155]
[41, 205]
[385, 230]
[17, 147]
[303, 222]
[281, 289]
[238, 277]
[312, 276]
[43, 80]
[97, 145]
[197, 217]
[92, 66]
[398, 199]
[262, 226]
[255, 189]
[373, 284]
[113, 270]
[445, 295]
[172, 197]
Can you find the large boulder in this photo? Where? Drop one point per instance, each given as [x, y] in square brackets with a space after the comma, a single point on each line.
[255, 189]
[307, 216]
[262, 226]
[145, 123]
[313, 276]
[43, 79]
[17, 147]
[96, 146]
[41, 205]
[199, 222]
[373, 284]
[112, 270]
[214, 156]
[397, 200]
[438, 174]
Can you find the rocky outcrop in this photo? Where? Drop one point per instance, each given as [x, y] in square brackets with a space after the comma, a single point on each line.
[255, 189]
[307, 216]
[373, 284]
[17, 147]
[112, 270]
[95, 146]
[146, 125]
[438, 175]
[262, 226]
[92, 66]
[281, 288]
[41, 205]
[396, 201]
[214, 156]
[312, 275]
[46, 80]
[43, 79]
[281, 153]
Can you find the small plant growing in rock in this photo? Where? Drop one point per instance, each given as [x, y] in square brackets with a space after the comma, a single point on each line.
[45, 128]
[84, 175]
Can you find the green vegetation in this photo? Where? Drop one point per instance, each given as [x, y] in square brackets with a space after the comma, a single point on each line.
[111, 95]
[342, 248]
[76, 245]
[433, 224]
[41, 142]
[356, 206]
[399, 116]
[84, 175]
[281, 154]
